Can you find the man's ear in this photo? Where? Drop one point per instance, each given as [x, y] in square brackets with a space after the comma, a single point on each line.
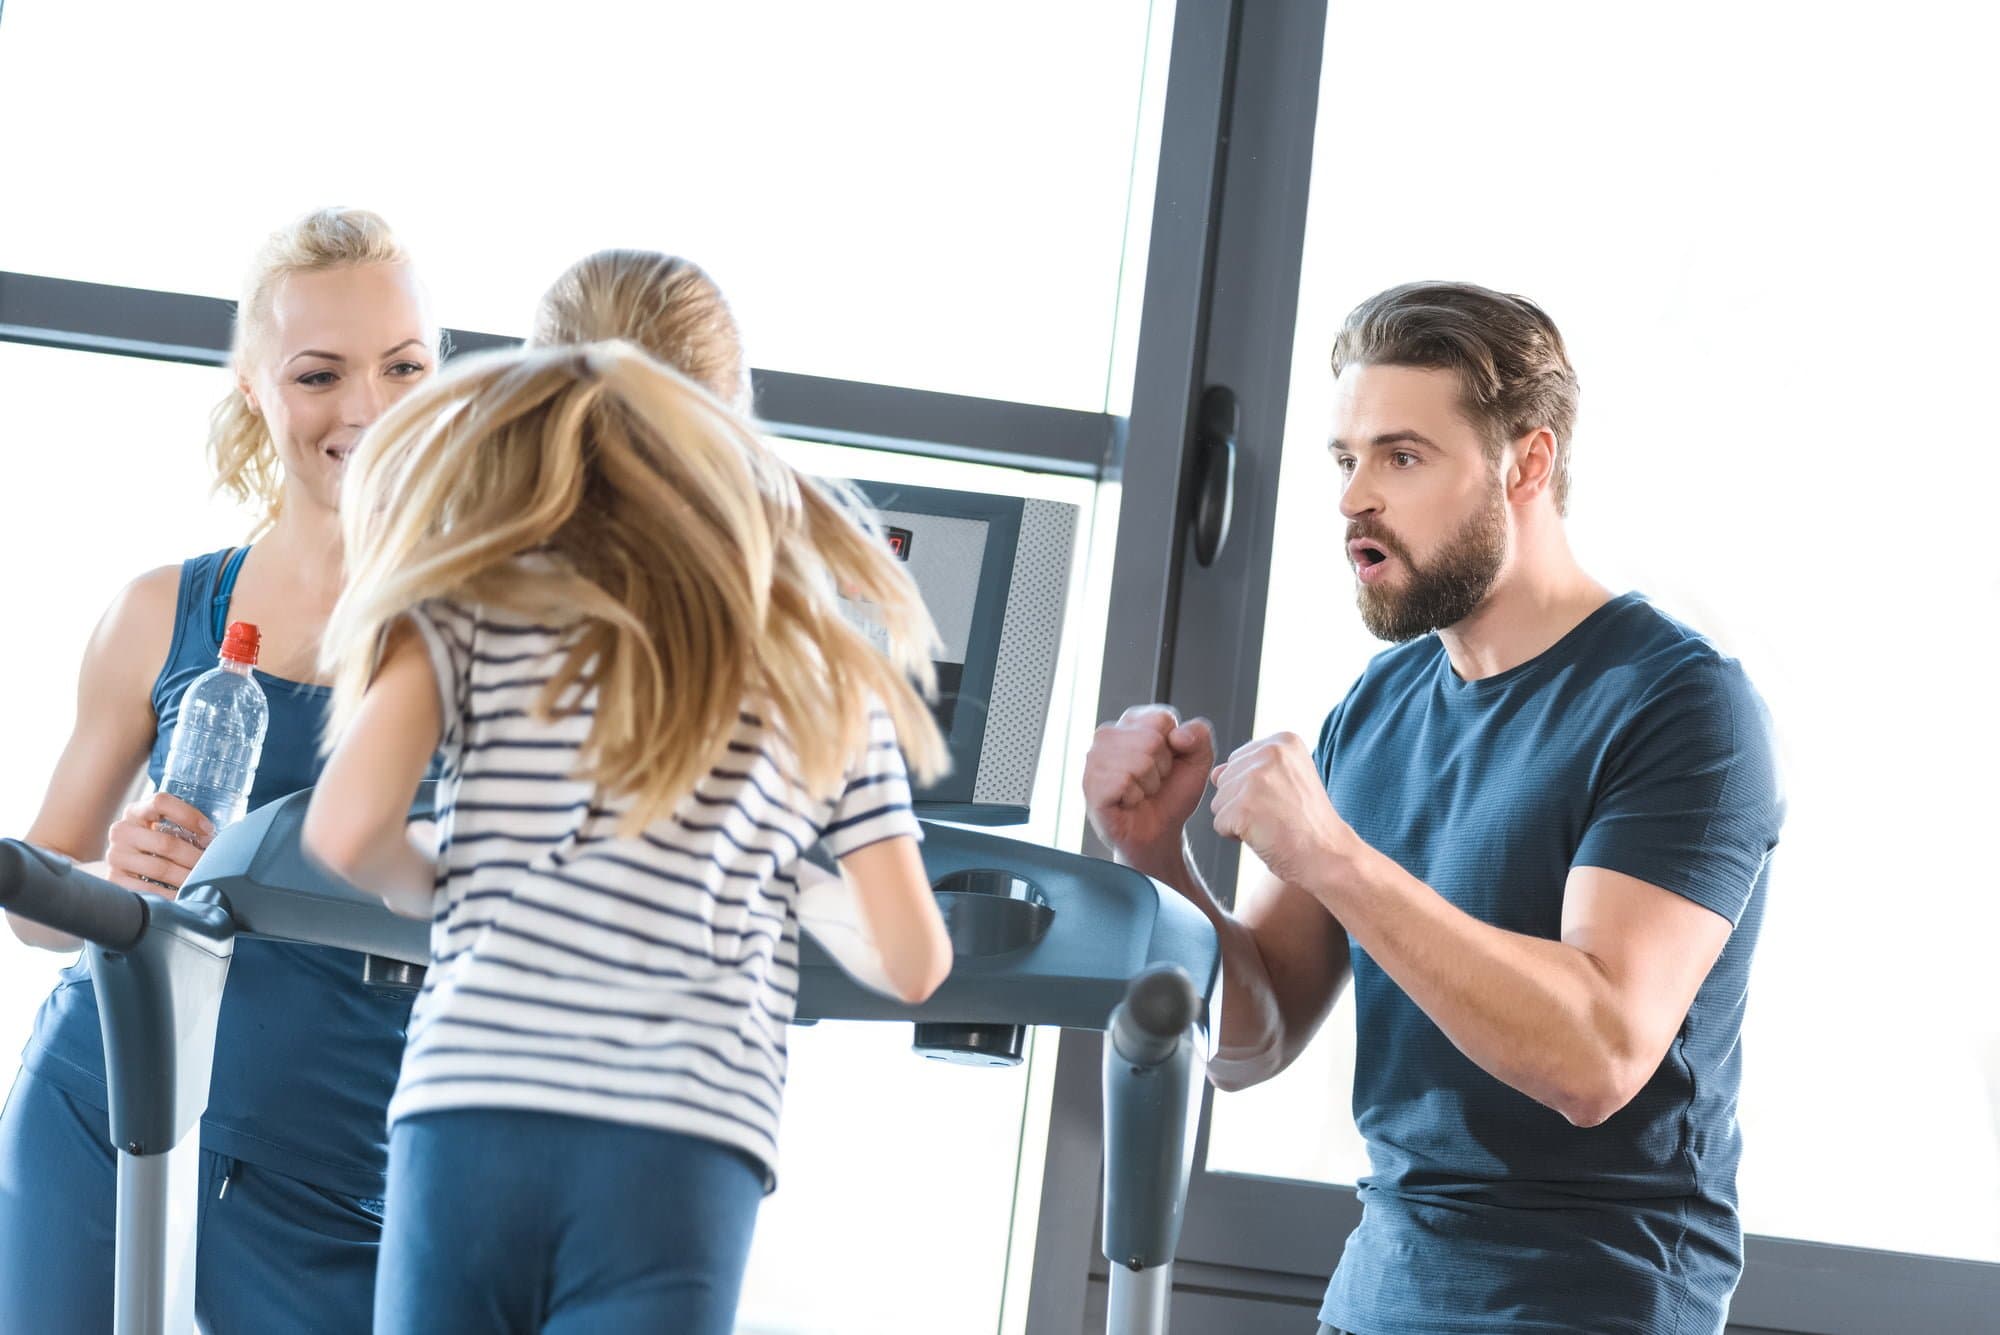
[1532, 467]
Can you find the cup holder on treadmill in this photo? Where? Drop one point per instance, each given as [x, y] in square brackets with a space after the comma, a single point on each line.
[990, 912]
[987, 912]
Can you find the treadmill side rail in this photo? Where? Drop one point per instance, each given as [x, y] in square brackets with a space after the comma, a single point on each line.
[157, 1009]
[274, 890]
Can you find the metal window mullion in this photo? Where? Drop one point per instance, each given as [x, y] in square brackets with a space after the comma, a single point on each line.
[179, 327]
[122, 321]
[1220, 308]
[953, 426]
[1218, 641]
[1151, 473]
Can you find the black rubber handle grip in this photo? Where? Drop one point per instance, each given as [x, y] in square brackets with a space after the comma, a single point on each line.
[46, 888]
[1159, 1005]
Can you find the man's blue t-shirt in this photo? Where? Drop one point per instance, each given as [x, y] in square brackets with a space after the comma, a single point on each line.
[1631, 744]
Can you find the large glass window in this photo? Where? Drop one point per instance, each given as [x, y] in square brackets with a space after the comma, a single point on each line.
[898, 192]
[1759, 230]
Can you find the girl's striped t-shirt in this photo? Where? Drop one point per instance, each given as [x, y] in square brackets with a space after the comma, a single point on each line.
[647, 979]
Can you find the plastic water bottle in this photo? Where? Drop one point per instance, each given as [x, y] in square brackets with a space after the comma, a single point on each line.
[213, 758]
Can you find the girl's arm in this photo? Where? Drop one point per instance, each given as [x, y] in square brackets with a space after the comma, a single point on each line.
[901, 915]
[358, 823]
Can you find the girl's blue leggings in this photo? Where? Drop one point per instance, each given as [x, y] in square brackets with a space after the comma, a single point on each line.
[502, 1221]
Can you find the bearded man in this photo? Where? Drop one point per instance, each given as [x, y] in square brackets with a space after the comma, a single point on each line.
[1536, 834]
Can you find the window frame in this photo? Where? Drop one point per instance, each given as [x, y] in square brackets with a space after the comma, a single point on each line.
[180, 327]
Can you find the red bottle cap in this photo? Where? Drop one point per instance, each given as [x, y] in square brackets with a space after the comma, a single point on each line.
[240, 644]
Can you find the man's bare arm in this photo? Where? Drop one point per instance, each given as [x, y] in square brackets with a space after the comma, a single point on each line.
[1579, 1024]
[1284, 958]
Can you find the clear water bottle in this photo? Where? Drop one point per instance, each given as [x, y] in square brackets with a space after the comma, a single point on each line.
[213, 758]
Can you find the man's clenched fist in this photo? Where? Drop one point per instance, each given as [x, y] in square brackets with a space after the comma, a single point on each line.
[1143, 779]
[1269, 795]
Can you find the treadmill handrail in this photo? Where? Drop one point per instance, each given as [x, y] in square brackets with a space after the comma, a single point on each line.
[274, 890]
[50, 889]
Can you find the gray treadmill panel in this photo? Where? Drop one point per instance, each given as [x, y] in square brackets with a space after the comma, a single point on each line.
[1110, 923]
[994, 573]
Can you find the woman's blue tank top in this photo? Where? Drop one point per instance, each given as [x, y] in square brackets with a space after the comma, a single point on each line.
[306, 1054]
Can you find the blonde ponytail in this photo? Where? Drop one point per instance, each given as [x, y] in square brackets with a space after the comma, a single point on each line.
[597, 489]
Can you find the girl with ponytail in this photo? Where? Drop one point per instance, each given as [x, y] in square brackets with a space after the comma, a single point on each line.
[585, 580]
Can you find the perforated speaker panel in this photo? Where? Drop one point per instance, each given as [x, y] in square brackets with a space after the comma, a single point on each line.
[1030, 639]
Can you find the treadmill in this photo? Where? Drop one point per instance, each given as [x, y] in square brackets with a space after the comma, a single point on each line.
[1039, 937]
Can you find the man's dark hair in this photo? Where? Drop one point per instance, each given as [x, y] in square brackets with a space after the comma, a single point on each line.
[1513, 373]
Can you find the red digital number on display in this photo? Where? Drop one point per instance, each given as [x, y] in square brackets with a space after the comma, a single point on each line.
[899, 543]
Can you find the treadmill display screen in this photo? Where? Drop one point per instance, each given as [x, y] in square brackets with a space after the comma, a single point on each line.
[993, 572]
[946, 566]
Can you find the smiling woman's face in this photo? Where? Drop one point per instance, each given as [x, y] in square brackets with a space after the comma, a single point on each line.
[344, 344]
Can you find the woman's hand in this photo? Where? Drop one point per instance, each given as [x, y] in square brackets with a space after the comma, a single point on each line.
[143, 855]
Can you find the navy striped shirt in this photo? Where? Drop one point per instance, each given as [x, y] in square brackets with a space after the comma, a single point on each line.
[643, 979]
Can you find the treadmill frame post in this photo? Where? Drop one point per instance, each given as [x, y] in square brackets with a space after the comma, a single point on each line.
[158, 1004]
[1152, 1105]
[1138, 1300]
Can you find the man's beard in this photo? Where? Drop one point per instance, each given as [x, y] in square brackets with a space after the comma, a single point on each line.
[1445, 590]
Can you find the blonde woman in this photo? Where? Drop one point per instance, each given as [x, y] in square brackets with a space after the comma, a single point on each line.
[330, 331]
[591, 585]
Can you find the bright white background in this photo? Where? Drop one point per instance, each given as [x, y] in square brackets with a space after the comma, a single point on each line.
[899, 191]
[1766, 234]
